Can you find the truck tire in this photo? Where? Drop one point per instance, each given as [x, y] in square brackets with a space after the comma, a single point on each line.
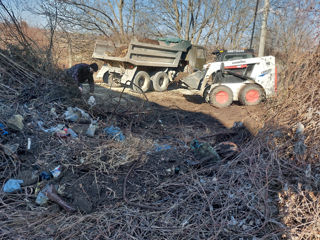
[160, 81]
[251, 94]
[109, 78]
[221, 96]
[141, 82]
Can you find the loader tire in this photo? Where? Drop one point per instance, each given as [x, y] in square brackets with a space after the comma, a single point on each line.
[111, 79]
[141, 82]
[221, 97]
[160, 81]
[251, 94]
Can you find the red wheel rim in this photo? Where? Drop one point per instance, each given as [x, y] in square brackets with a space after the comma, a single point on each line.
[252, 96]
[222, 97]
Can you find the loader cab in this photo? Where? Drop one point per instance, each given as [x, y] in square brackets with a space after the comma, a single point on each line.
[230, 55]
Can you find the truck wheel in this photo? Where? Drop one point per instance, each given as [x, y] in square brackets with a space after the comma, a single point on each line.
[221, 97]
[251, 94]
[141, 82]
[160, 81]
[111, 79]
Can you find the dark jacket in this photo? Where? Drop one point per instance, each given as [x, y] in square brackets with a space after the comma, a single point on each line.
[81, 73]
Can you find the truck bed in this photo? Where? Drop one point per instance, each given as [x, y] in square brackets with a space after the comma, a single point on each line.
[143, 54]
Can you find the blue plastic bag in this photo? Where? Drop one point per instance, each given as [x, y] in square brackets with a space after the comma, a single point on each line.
[115, 133]
[162, 147]
[12, 185]
[3, 130]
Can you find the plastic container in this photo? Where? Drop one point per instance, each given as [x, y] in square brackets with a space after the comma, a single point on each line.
[92, 128]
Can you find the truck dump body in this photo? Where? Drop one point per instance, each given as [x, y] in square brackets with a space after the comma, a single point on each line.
[144, 54]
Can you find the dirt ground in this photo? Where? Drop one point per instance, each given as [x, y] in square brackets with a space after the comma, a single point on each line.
[191, 101]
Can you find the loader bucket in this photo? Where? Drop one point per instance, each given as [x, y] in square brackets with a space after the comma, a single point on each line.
[193, 80]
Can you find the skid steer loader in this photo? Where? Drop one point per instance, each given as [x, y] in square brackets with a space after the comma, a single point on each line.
[236, 76]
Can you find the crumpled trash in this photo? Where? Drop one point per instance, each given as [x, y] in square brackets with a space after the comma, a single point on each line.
[204, 151]
[12, 185]
[76, 115]
[92, 101]
[45, 175]
[72, 133]
[3, 130]
[56, 172]
[115, 133]
[162, 147]
[16, 122]
[10, 149]
[60, 130]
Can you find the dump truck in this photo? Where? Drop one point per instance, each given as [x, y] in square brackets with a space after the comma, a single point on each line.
[236, 76]
[147, 66]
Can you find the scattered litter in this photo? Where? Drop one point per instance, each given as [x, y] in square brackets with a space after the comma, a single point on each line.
[204, 151]
[162, 147]
[16, 122]
[3, 130]
[72, 133]
[42, 198]
[29, 144]
[45, 175]
[92, 101]
[300, 129]
[173, 169]
[238, 125]
[10, 149]
[49, 192]
[77, 115]
[115, 133]
[202, 181]
[92, 128]
[60, 130]
[53, 112]
[57, 128]
[56, 171]
[12, 185]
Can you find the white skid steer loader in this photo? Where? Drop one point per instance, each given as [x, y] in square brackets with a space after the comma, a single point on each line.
[247, 80]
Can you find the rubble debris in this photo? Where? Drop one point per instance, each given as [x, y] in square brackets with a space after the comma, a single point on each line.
[16, 122]
[12, 185]
[115, 133]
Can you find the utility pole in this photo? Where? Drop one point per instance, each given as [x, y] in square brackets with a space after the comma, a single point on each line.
[264, 28]
[254, 23]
